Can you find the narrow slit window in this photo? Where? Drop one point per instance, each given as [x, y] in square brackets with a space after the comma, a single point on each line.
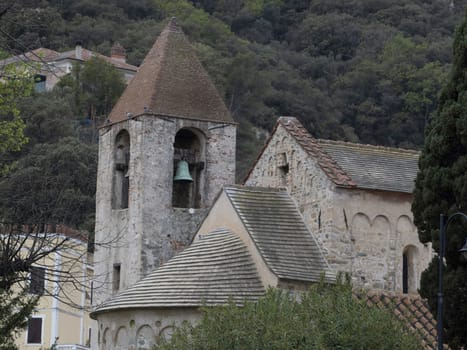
[116, 278]
[121, 176]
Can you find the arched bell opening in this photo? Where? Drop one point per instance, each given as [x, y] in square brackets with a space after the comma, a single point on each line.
[188, 169]
[121, 176]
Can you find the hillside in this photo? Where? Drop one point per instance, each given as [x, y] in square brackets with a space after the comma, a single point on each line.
[360, 70]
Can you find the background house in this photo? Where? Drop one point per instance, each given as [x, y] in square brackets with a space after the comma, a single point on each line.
[61, 278]
[54, 65]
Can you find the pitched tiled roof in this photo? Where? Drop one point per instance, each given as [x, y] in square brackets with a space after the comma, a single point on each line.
[411, 309]
[86, 54]
[279, 232]
[49, 56]
[34, 55]
[209, 272]
[357, 165]
[313, 148]
[375, 167]
[172, 82]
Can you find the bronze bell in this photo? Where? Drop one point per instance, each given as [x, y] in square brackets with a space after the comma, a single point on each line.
[183, 172]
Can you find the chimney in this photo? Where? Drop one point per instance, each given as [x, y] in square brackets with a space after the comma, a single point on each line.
[78, 50]
[118, 53]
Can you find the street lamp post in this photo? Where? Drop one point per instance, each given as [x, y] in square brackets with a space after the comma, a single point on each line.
[443, 225]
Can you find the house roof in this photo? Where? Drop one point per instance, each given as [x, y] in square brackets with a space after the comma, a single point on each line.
[209, 272]
[45, 55]
[353, 165]
[172, 82]
[412, 309]
[279, 232]
[86, 54]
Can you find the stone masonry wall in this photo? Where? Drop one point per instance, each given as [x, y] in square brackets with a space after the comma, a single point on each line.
[361, 232]
[141, 329]
[308, 185]
[150, 231]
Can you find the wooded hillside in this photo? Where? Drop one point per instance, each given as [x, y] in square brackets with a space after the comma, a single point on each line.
[360, 70]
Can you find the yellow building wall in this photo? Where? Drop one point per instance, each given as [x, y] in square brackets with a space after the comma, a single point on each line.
[65, 320]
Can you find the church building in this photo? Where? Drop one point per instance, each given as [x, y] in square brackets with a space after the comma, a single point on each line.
[169, 116]
[355, 198]
[174, 233]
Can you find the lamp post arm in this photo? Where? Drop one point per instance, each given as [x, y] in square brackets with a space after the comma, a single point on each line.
[443, 224]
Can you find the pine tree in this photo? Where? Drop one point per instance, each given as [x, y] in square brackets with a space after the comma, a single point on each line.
[441, 187]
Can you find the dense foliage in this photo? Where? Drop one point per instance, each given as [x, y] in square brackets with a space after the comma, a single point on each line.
[15, 309]
[53, 177]
[15, 82]
[441, 187]
[326, 317]
[365, 71]
[54, 183]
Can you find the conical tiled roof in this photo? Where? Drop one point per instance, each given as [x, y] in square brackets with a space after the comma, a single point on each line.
[209, 272]
[172, 82]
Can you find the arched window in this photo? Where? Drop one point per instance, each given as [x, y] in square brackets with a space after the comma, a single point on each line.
[188, 169]
[121, 178]
[409, 273]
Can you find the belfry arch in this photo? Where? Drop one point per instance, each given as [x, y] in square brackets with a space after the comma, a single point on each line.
[189, 148]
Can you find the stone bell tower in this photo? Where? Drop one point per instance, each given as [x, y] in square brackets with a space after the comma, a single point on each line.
[170, 112]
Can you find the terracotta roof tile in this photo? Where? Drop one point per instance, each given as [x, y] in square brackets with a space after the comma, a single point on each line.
[50, 56]
[88, 54]
[411, 309]
[314, 149]
[172, 82]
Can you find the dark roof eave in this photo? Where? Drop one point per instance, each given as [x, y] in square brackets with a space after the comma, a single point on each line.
[373, 189]
[162, 116]
[94, 313]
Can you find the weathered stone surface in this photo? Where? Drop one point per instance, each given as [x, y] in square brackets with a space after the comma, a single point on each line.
[363, 232]
[150, 231]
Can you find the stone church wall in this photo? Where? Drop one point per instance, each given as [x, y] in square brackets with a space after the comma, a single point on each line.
[140, 329]
[285, 164]
[361, 232]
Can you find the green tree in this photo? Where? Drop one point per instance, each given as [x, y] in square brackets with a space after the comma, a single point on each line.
[54, 183]
[14, 312]
[441, 187]
[16, 82]
[15, 308]
[97, 85]
[325, 317]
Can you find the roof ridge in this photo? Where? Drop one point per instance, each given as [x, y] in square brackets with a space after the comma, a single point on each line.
[313, 148]
[366, 145]
[256, 188]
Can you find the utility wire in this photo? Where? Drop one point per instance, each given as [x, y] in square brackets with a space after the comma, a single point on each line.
[23, 56]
